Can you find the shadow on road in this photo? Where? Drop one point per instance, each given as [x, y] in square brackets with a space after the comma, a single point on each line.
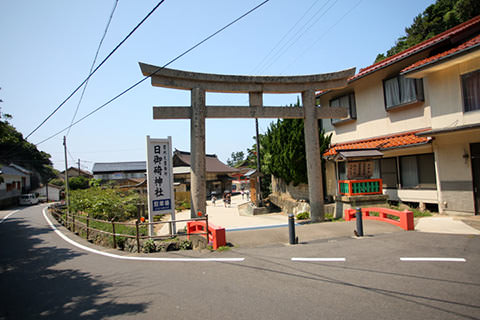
[33, 286]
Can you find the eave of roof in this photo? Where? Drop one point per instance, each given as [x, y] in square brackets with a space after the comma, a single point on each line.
[415, 49]
[399, 140]
[99, 167]
[435, 132]
[464, 48]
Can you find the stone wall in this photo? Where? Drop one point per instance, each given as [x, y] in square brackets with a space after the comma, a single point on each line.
[299, 192]
[290, 198]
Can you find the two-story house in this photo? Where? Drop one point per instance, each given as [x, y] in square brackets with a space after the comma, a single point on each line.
[413, 130]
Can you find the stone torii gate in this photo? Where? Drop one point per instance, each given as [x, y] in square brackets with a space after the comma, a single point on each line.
[255, 86]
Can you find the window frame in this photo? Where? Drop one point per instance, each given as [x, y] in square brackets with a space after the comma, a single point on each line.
[395, 162]
[352, 108]
[464, 95]
[419, 93]
[421, 185]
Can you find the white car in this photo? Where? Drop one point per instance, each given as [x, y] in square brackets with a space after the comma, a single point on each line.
[28, 199]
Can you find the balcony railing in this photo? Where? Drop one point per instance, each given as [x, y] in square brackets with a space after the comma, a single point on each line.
[360, 187]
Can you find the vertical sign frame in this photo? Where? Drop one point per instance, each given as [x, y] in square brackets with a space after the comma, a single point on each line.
[161, 196]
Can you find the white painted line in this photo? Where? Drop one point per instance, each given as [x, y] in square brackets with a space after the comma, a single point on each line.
[434, 259]
[320, 259]
[8, 215]
[111, 255]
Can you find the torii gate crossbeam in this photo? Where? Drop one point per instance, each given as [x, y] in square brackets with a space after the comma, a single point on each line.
[255, 86]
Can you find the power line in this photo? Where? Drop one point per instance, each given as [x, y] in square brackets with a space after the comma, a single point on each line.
[93, 64]
[284, 36]
[98, 67]
[157, 70]
[300, 33]
[325, 33]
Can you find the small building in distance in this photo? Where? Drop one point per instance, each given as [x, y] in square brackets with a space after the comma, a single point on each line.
[218, 174]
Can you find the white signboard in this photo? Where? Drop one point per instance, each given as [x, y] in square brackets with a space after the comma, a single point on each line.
[161, 198]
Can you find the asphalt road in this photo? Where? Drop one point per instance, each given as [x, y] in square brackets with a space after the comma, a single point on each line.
[44, 277]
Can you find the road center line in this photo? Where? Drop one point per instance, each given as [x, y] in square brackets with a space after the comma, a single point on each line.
[434, 259]
[8, 215]
[111, 255]
[320, 259]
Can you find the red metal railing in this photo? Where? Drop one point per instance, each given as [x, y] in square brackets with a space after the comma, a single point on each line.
[360, 187]
[405, 218]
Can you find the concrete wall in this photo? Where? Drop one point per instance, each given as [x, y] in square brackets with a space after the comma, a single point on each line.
[455, 172]
[445, 95]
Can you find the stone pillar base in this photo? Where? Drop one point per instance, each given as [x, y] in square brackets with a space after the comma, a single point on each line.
[249, 209]
[351, 202]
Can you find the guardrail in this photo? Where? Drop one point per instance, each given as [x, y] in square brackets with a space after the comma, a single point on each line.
[76, 222]
[213, 234]
[405, 218]
[360, 187]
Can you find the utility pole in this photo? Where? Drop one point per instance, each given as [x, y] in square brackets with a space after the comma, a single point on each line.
[259, 181]
[66, 176]
[79, 167]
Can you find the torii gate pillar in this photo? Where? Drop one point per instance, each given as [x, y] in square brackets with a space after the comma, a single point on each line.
[255, 86]
[197, 154]
[312, 151]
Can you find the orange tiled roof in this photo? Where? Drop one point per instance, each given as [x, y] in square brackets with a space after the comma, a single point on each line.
[461, 48]
[399, 140]
[416, 48]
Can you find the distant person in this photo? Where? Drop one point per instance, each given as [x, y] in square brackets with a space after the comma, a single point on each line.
[229, 199]
[225, 199]
[214, 199]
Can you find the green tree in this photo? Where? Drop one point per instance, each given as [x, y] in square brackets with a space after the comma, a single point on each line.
[283, 148]
[435, 19]
[236, 158]
[15, 149]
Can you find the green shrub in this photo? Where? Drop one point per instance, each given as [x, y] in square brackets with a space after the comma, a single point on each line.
[149, 246]
[106, 204]
[185, 245]
[303, 215]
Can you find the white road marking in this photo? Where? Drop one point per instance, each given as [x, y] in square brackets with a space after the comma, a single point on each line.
[434, 259]
[111, 255]
[8, 215]
[320, 259]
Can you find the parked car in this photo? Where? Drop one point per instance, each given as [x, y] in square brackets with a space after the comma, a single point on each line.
[28, 199]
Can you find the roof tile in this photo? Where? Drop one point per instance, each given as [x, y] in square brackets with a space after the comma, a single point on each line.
[404, 139]
[416, 48]
[464, 46]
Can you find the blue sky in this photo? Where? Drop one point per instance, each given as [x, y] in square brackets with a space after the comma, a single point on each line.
[48, 47]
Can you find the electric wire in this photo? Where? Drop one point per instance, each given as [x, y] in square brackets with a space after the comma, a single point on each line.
[299, 35]
[96, 69]
[93, 65]
[157, 70]
[325, 33]
[257, 67]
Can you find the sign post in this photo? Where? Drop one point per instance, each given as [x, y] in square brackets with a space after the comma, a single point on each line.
[161, 197]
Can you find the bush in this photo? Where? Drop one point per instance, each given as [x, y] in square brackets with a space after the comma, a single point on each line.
[79, 182]
[149, 246]
[106, 204]
[303, 216]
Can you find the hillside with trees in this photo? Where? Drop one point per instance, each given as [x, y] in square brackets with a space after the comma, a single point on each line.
[15, 149]
[437, 18]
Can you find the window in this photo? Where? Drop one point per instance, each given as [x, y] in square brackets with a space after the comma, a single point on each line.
[471, 91]
[389, 172]
[418, 171]
[348, 101]
[400, 91]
